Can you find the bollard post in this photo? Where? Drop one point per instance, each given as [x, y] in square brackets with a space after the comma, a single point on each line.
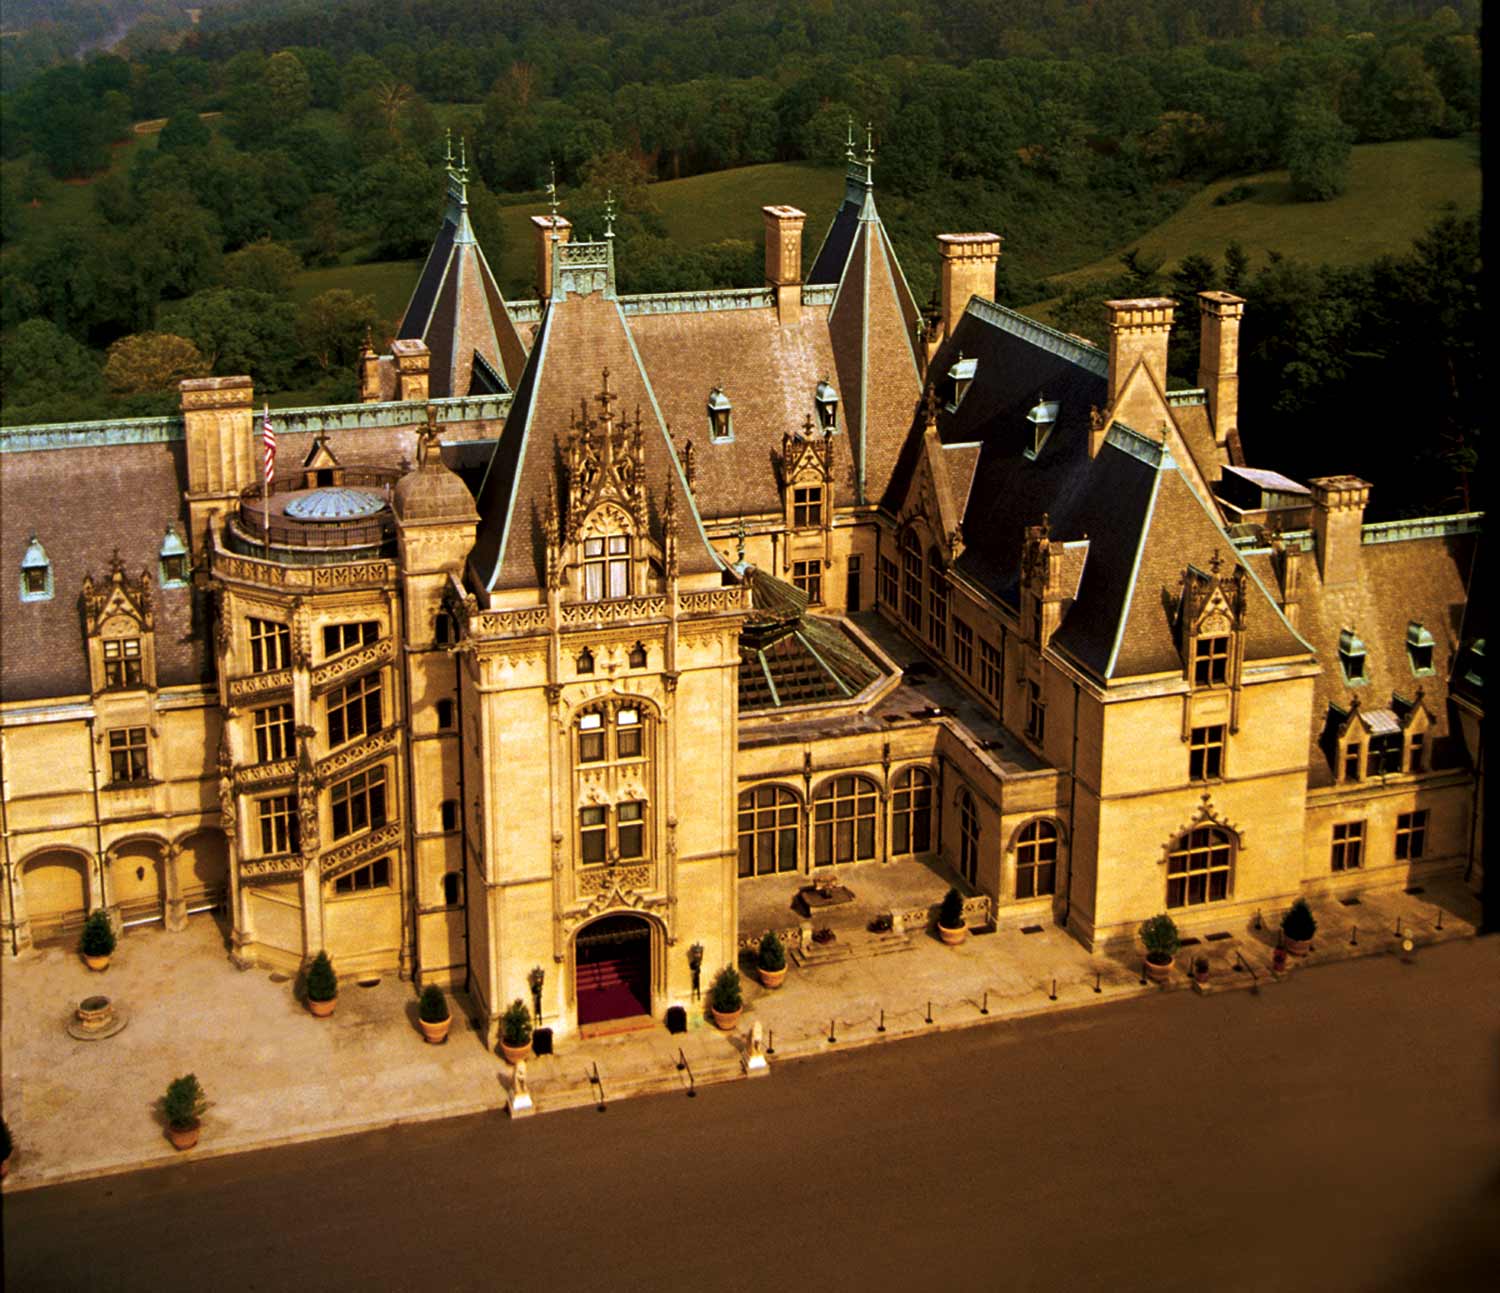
[1143, 974]
[1053, 997]
[1257, 918]
[1398, 926]
[1097, 976]
[881, 1029]
[984, 1006]
[1354, 937]
[1440, 918]
[831, 1036]
[929, 1012]
[770, 1041]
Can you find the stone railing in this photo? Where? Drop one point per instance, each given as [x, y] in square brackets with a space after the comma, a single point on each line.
[80, 435]
[602, 879]
[271, 574]
[714, 601]
[613, 612]
[258, 684]
[1421, 527]
[535, 619]
[527, 619]
[284, 866]
[334, 671]
[737, 298]
[348, 856]
[1187, 398]
[819, 293]
[350, 756]
[976, 912]
[265, 774]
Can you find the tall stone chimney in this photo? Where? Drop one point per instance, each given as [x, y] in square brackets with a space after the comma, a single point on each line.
[784, 259]
[543, 227]
[1338, 517]
[413, 365]
[1138, 330]
[1219, 359]
[968, 269]
[223, 446]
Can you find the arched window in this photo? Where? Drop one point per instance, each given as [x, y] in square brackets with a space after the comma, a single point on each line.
[844, 821]
[1198, 867]
[1036, 860]
[768, 831]
[968, 837]
[911, 812]
[911, 580]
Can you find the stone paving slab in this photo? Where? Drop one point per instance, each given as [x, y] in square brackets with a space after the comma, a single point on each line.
[275, 1075]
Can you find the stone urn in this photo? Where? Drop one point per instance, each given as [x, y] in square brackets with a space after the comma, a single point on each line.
[185, 1136]
[727, 1021]
[1158, 971]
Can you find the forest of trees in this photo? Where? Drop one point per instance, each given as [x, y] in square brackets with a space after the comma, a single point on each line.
[1063, 123]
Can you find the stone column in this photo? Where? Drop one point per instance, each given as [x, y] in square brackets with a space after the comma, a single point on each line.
[176, 918]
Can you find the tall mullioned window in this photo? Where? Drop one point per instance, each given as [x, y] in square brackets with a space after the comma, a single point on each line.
[127, 755]
[359, 803]
[1348, 846]
[122, 662]
[911, 812]
[270, 646]
[278, 822]
[354, 710]
[991, 671]
[1036, 860]
[1198, 868]
[937, 608]
[890, 589]
[963, 646]
[606, 567]
[769, 819]
[275, 737]
[612, 753]
[844, 813]
[911, 581]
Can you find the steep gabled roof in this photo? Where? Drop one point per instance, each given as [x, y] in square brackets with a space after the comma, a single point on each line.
[873, 326]
[582, 334]
[458, 311]
[833, 254]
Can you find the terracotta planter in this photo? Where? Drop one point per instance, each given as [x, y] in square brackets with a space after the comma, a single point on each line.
[953, 937]
[183, 1137]
[438, 1032]
[96, 963]
[1157, 971]
[322, 1009]
[726, 1022]
[771, 978]
[515, 1054]
[1296, 946]
[1278, 960]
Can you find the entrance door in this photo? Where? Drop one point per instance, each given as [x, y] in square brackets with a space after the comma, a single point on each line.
[613, 969]
[57, 897]
[851, 584]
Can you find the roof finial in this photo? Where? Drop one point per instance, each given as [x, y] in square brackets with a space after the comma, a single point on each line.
[552, 196]
[849, 139]
[609, 214]
[739, 535]
[869, 143]
[448, 155]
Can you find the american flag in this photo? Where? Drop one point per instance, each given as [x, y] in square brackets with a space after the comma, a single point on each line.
[268, 438]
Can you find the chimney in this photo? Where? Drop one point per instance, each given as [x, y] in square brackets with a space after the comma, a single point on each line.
[784, 259]
[1337, 520]
[544, 226]
[1138, 330]
[968, 269]
[1219, 359]
[412, 363]
[369, 373]
[222, 433]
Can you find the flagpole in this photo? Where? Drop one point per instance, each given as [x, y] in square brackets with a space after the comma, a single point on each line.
[265, 479]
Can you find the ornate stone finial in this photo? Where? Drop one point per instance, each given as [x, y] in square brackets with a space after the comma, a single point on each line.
[1215, 562]
[807, 427]
[739, 534]
[448, 153]
[369, 340]
[869, 144]
[689, 470]
[849, 140]
[116, 566]
[552, 197]
[609, 214]
[427, 439]
[930, 407]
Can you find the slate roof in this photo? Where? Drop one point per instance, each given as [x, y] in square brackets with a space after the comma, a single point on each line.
[1413, 579]
[83, 505]
[580, 336]
[769, 370]
[833, 253]
[457, 309]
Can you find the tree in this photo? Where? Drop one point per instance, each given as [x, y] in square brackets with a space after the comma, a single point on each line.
[39, 360]
[238, 331]
[184, 133]
[400, 199]
[263, 266]
[1316, 151]
[151, 361]
[333, 324]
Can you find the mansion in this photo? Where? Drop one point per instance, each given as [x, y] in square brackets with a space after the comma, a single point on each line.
[603, 623]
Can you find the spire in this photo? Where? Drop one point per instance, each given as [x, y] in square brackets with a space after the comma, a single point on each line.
[552, 196]
[849, 141]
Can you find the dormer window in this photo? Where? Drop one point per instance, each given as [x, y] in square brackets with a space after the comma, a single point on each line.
[827, 401]
[1419, 646]
[1211, 661]
[962, 377]
[1043, 417]
[606, 567]
[173, 560]
[720, 415]
[1352, 658]
[36, 572]
[807, 506]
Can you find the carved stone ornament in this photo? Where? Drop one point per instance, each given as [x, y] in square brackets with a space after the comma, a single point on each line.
[604, 463]
[119, 596]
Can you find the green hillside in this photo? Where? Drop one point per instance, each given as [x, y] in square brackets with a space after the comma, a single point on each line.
[1395, 192]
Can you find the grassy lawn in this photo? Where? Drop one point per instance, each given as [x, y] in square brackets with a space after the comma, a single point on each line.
[1395, 192]
[389, 281]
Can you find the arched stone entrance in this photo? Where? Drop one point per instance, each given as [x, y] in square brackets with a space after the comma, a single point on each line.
[612, 969]
[56, 889]
[137, 880]
[202, 866]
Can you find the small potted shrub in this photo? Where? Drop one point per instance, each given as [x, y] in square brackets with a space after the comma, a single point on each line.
[725, 998]
[183, 1107]
[1298, 927]
[5, 1147]
[771, 963]
[1159, 934]
[515, 1032]
[97, 941]
[1200, 971]
[322, 986]
[951, 927]
[433, 1014]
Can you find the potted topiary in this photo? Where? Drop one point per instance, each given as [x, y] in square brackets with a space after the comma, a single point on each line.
[97, 941]
[515, 1032]
[322, 986]
[1159, 934]
[1298, 927]
[725, 999]
[5, 1147]
[951, 927]
[433, 1014]
[771, 963]
[1200, 970]
[183, 1107]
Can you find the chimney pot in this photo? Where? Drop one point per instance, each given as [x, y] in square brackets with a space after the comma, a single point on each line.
[1338, 523]
[1219, 359]
[968, 269]
[543, 227]
[784, 258]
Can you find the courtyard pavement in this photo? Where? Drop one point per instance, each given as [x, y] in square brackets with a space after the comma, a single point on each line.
[275, 1075]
